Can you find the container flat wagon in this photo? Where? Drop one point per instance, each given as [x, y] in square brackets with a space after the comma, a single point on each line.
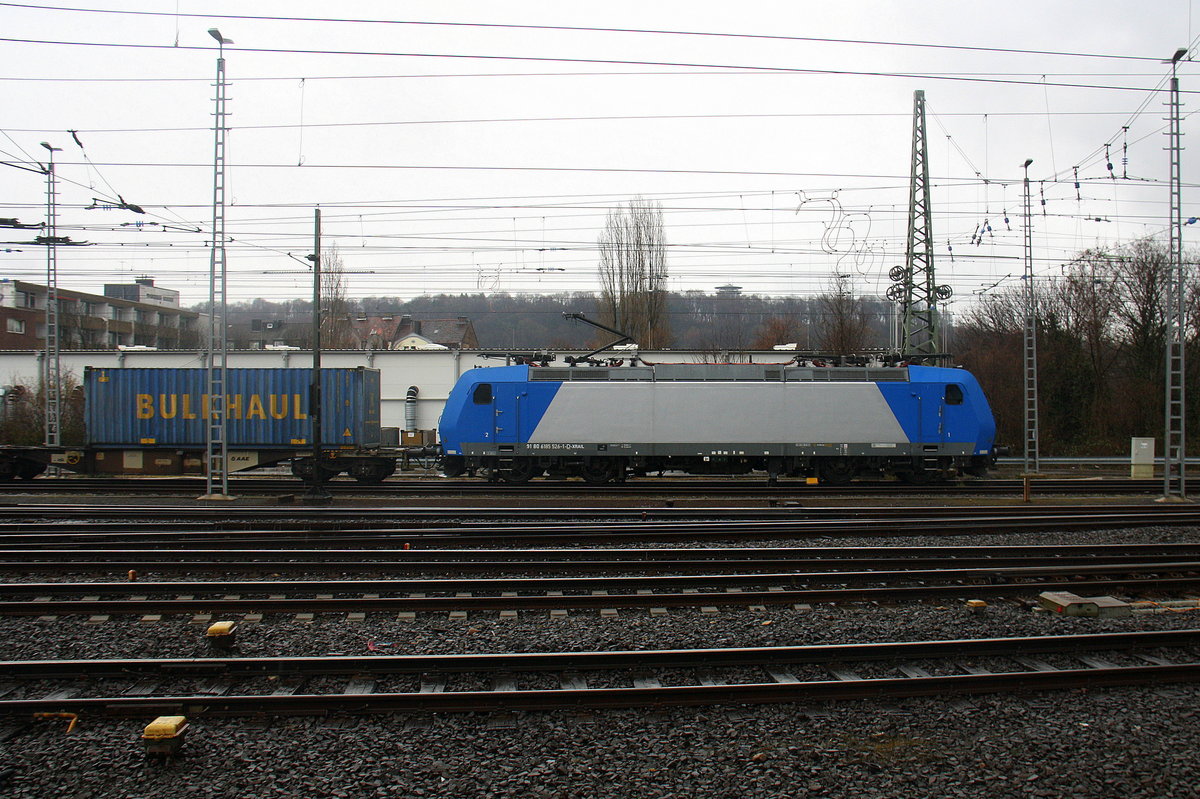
[154, 421]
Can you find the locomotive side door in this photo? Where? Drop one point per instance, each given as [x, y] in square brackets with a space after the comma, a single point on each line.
[956, 415]
[506, 416]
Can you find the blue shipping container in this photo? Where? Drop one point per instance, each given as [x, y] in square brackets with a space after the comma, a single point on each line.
[166, 408]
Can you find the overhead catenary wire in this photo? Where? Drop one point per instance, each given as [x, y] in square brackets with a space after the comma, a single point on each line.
[588, 29]
[600, 118]
[469, 237]
[566, 60]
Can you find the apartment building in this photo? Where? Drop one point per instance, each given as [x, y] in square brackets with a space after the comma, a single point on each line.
[139, 314]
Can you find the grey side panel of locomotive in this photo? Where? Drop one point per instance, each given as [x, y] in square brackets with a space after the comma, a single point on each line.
[685, 413]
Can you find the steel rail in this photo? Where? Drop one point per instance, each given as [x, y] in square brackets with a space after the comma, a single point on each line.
[638, 582]
[386, 515]
[585, 601]
[316, 517]
[636, 487]
[812, 690]
[611, 698]
[644, 531]
[241, 667]
[988, 554]
[255, 563]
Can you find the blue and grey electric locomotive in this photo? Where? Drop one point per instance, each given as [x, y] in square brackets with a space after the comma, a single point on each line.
[918, 423]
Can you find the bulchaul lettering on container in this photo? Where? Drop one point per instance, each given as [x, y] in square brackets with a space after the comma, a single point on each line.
[237, 406]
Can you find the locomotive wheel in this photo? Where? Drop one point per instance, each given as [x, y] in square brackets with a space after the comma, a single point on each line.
[520, 470]
[917, 477]
[598, 471]
[454, 465]
[837, 471]
[8, 470]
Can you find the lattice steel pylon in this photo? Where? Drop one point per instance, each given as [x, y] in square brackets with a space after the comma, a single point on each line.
[1174, 454]
[915, 286]
[52, 368]
[217, 446]
[1032, 461]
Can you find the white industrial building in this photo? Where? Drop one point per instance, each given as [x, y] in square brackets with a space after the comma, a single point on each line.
[433, 372]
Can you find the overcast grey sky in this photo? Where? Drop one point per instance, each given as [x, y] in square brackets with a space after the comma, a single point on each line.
[465, 157]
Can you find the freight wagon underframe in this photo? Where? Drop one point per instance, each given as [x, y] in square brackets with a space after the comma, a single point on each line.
[366, 466]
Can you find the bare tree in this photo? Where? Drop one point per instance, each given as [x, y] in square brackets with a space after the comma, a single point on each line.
[71, 332]
[23, 413]
[1090, 308]
[633, 273]
[780, 330]
[1141, 279]
[998, 312]
[337, 332]
[844, 323]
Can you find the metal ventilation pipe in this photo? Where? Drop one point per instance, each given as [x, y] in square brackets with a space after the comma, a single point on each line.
[410, 410]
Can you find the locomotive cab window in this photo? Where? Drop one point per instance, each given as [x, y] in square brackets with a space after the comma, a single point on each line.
[483, 394]
[954, 394]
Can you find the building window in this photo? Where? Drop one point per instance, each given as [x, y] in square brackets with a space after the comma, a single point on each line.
[16, 325]
[26, 299]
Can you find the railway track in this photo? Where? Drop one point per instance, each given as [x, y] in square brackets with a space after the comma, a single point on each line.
[748, 487]
[65, 516]
[257, 527]
[587, 593]
[572, 680]
[595, 561]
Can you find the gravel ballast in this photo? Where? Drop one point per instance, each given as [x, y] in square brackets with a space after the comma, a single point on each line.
[1127, 742]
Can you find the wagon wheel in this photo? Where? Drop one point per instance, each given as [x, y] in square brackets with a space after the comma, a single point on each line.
[27, 470]
[838, 471]
[520, 470]
[305, 469]
[375, 474]
[598, 471]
